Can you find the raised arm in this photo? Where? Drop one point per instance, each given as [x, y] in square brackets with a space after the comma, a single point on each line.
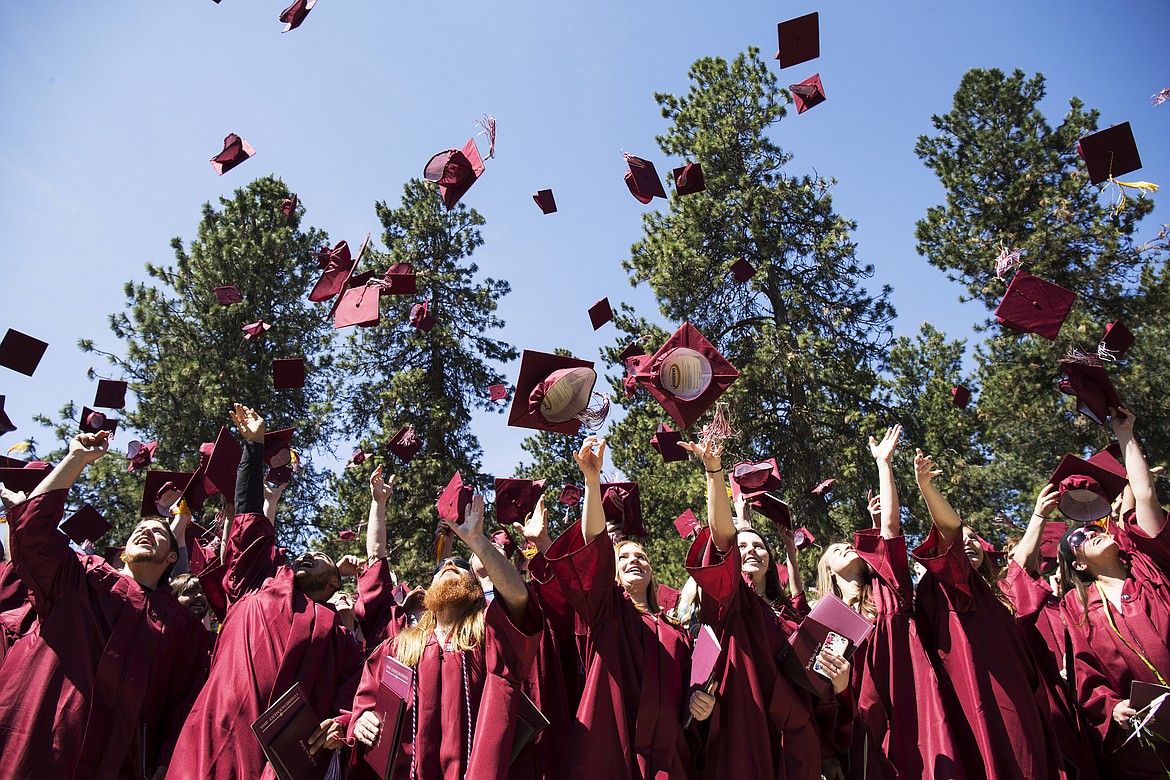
[589, 460]
[180, 519]
[272, 494]
[795, 580]
[883, 454]
[944, 517]
[1027, 552]
[508, 583]
[719, 516]
[250, 475]
[1147, 511]
[535, 528]
[380, 492]
[84, 449]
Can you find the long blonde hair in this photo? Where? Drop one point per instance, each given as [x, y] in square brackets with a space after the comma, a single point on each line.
[467, 635]
[827, 583]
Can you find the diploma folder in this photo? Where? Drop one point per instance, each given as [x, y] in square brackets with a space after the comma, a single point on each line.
[530, 721]
[390, 705]
[830, 614]
[284, 730]
[1153, 715]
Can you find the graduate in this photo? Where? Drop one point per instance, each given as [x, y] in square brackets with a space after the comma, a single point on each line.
[467, 658]
[997, 707]
[760, 724]
[376, 611]
[100, 687]
[278, 631]
[1118, 615]
[17, 615]
[902, 728]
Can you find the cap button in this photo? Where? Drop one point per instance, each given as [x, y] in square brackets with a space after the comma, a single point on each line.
[1125, 597]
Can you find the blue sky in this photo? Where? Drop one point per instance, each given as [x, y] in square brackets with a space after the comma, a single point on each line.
[111, 111]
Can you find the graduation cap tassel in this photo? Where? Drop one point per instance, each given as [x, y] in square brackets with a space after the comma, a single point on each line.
[1142, 186]
[1084, 358]
[719, 429]
[593, 417]
[1007, 260]
[488, 123]
[1159, 98]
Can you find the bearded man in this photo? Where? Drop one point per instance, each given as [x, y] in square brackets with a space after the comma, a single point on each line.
[468, 660]
[100, 687]
[279, 630]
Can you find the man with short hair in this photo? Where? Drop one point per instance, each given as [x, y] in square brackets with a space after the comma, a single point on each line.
[101, 685]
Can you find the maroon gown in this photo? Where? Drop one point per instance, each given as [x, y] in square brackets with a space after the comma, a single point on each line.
[763, 726]
[100, 687]
[637, 667]
[375, 609]
[452, 687]
[272, 637]
[1038, 617]
[17, 616]
[902, 729]
[997, 711]
[1106, 664]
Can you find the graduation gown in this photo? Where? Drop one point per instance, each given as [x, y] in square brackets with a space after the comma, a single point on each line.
[17, 616]
[637, 667]
[494, 672]
[272, 637]
[1038, 617]
[763, 725]
[1106, 663]
[996, 712]
[902, 730]
[100, 687]
[375, 609]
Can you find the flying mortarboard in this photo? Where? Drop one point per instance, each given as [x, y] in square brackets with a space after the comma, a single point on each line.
[399, 279]
[689, 179]
[454, 500]
[665, 441]
[338, 264]
[1087, 488]
[288, 373]
[570, 495]
[162, 490]
[6, 425]
[227, 295]
[623, 507]
[18, 475]
[686, 375]
[349, 280]
[296, 13]
[798, 40]
[774, 509]
[686, 524]
[85, 525]
[219, 461]
[288, 206]
[111, 394]
[553, 393]
[742, 270]
[358, 306]
[405, 443]
[643, 180]
[235, 151]
[960, 396]
[278, 447]
[544, 199]
[1116, 342]
[94, 421]
[803, 538]
[1110, 152]
[281, 475]
[516, 498]
[824, 487]
[501, 537]
[633, 349]
[498, 392]
[1092, 387]
[21, 352]
[1032, 305]
[750, 479]
[600, 313]
[421, 318]
[140, 455]
[454, 170]
[808, 93]
[254, 330]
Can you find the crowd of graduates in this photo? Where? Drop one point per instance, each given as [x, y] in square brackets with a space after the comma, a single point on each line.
[1025, 663]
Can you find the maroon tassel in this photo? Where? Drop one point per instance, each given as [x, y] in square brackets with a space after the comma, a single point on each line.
[593, 417]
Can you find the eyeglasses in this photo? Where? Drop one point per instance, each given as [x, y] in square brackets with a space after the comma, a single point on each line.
[458, 563]
[1078, 538]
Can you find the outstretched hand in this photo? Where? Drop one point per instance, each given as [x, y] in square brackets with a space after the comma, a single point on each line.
[535, 527]
[248, 422]
[1047, 501]
[589, 459]
[924, 468]
[1121, 420]
[710, 453]
[884, 450]
[381, 490]
[471, 526]
[89, 447]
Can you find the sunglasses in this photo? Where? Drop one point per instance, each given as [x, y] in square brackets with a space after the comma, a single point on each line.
[1078, 538]
[458, 563]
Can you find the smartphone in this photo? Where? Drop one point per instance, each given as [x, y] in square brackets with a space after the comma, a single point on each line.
[835, 643]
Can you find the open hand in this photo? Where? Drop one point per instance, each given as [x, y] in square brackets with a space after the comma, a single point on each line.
[535, 527]
[884, 450]
[471, 526]
[924, 468]
[590, 460]
[1047, 501]
[248, 423]
[710, 453]
[380, 489]
[1121, 420]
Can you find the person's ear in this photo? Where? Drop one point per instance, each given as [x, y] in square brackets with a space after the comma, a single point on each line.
[172, 556]
[1080, 565]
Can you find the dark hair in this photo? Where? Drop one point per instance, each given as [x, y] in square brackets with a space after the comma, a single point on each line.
[1069, 574]
[773, 590]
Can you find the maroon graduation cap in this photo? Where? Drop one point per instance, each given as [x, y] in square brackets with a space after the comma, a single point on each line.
[421, 318]
[501, 538]
[498, 392]
[667, 597]
[21, 352]
[824, 487]
[774, 509]
[643, 180]
[357, 458]
[278, 447]
[235, 151]
[553, 393]
[338, 264]
[220, 460]
[227, 295]
[139, 455]
[162, 490]
[405, 444]
[516, 498]
[960, 396]
[600, 313]
[633, 349]
[742, 270]
[666, 442]
[288, 206]
[1032, 305]
[544, 199]
[281, 475]
[6, 425]
[454, 500]
[1091, 386]
[689, 179]
[85, 525]
[93, 421]
[686, 524]
[296, 13]
[358, 306]
[1110, 152]
[798, 40]
[288, 373]
[111, 394]
[254, 330]
[570, 495]
[808, 93]
[623, 507]
[1116, 342]
[399, 279]
[22, 476]
[455, 170]
[750, 479]
[803, 538]
[1087, 488]
[686, 375]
